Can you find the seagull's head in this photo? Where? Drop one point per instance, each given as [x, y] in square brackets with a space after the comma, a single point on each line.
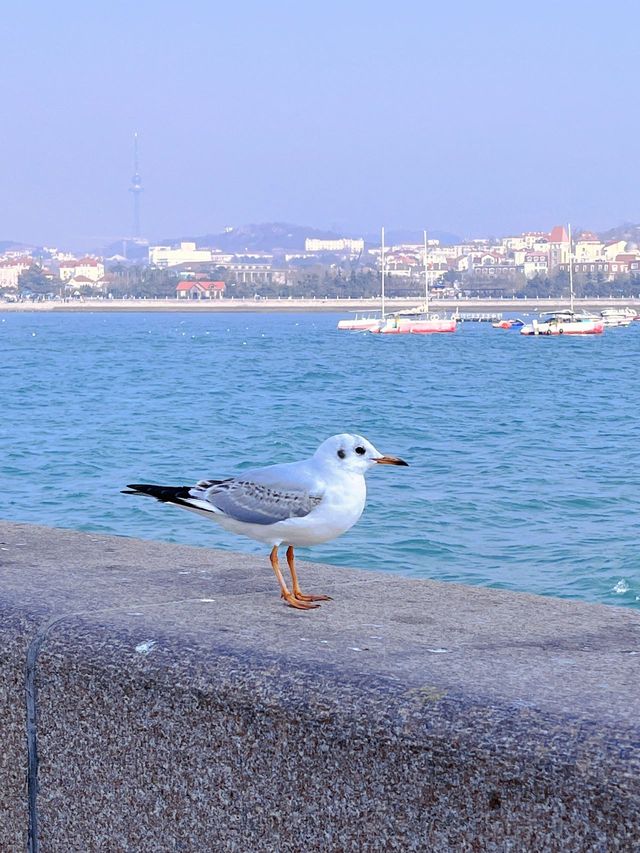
[353, 454]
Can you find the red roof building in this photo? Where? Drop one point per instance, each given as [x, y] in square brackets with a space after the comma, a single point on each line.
[200, 289]
[559, 235]
[558, 246]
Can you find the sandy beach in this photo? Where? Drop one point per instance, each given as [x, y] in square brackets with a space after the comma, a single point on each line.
[524, 306]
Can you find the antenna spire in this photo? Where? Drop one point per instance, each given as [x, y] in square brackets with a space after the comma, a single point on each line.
[136, 188]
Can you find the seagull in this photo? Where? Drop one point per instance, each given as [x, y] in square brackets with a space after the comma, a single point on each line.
[293, 504]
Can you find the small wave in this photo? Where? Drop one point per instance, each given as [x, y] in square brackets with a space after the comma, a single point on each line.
[621, 587]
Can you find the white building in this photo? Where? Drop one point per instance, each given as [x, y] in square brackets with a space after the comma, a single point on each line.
[343, 244]
[167, 256]
[535, 263]
[613, 248]
[10, 271]
[526, 241]
[78, 282]
[90, 268]
[220, 258]
[587, 247]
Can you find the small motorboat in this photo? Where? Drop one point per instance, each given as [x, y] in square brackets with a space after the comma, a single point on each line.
[513, 323]
[613, 317]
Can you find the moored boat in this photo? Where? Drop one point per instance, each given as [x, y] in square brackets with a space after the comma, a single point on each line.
[564, 323]
[513, 323]
[420, 320]
[613, 317]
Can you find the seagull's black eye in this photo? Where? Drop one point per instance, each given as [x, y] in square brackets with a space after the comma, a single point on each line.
[360, 451]
[341, 454]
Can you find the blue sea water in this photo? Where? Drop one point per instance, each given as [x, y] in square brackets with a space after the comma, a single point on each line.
[524, 452]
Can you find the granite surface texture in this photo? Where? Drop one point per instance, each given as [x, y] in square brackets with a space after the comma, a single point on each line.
[180, 706]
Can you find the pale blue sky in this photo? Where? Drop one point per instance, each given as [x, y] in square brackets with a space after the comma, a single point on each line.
[467, 117]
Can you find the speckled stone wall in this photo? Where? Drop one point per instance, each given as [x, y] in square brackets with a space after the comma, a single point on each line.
[15, 631]
[182, 707]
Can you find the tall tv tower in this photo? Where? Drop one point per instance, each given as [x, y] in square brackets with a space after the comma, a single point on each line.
[136, 188]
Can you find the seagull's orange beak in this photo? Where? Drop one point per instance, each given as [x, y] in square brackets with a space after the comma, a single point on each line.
[390, 460]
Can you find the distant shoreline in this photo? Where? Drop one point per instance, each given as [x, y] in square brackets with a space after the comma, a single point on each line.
[523, 306]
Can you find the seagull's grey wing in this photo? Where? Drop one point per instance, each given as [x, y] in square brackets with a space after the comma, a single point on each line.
[255, 503]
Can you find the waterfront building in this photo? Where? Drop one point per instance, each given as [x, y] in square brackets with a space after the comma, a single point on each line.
[90, 268]
[10, 272]
[613, 248]
[342, 244]
[200, 289]
[526, 241]
[220, 258]
[78, 282]
[587, 247]
[600, 268]
[558, 247]
[186, 253]
[251, 273]
[489, 265]
[535, 263]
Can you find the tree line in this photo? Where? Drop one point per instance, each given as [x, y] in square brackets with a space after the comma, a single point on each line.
[322, 281]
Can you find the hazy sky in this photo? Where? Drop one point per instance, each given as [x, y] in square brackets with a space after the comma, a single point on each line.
[475, 118]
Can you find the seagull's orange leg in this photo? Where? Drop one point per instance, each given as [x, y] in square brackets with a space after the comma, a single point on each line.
[297, 593]
[291, 600]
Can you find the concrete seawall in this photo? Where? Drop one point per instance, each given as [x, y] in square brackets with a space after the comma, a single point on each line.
[298, 304]
[161, 698]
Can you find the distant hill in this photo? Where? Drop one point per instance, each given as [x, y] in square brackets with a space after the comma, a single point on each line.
[274, 236]
[627, 231]
[13, 246]
[261, 237]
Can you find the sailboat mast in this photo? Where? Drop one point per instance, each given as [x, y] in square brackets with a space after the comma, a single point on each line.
[570, 270]
[382, 271]
[426, 274]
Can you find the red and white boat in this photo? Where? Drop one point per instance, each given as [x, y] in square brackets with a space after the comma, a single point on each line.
[415, 321]
[566, 322]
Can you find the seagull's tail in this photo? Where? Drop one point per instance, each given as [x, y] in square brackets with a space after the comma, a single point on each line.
[167, 494]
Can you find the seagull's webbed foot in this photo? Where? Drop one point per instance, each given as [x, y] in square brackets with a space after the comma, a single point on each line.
[297, 592]
[300, 596]
[299, 604]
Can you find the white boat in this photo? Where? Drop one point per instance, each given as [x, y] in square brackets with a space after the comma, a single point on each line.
[359, 323]
[566, 322]
[369, 323]
[414, 321]
[618, 316]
